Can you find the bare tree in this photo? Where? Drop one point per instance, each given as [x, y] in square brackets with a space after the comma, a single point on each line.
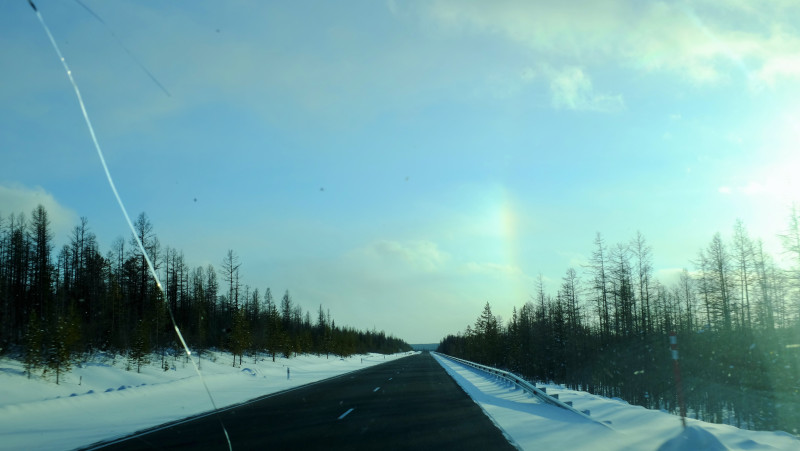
[765, 311]
[230, 269]
[704, 288]
[598, 266]
[743, 259]
[791, 245]
[41, 272]
[686, 289]
[791, 238]
[145, 236]
[569, 290]
[622, 290]
[719, 269]
[644, 273]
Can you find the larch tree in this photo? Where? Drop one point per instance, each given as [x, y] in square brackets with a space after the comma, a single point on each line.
[644, 274]
[598, 267]
[719, 269]
[34, 340]
[230, 270]
[743, 261]
[791, 245]
[41, 286]
[765, 311]
[145, 236]
[687, 293]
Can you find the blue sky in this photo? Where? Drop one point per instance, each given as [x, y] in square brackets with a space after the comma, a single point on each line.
[402, 163]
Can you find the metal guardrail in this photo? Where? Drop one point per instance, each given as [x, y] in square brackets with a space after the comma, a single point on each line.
[524, 385]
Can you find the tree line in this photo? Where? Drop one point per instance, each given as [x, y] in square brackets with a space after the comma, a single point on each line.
[58, 305]
[606, 330]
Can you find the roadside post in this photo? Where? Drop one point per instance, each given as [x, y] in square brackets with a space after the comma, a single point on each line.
[673, 345]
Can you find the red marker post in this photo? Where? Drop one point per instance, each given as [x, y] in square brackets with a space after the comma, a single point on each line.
[673, 345]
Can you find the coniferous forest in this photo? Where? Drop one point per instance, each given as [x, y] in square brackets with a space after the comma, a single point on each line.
[735, 310]
[58, 305]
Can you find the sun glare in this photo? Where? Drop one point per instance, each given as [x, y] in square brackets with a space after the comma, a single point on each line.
[781, 177]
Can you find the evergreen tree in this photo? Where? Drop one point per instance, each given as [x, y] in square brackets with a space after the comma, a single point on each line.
[63, 339]
[240, 335]
[41, 269]
[140, 348]
[34, 340]
[86, 300]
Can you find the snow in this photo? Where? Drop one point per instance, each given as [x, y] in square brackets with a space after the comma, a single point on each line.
[530, 423]
[693, 437]
[101, 400]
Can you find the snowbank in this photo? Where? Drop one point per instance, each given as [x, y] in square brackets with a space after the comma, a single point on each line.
[532, 424]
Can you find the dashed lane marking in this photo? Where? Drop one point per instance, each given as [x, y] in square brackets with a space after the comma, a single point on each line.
[344, 414]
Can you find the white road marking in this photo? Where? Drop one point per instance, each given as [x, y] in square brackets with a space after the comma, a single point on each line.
[376, 389]
[391, 378]
[344, 414]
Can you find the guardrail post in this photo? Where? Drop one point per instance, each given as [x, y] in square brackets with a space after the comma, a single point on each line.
[673, 344]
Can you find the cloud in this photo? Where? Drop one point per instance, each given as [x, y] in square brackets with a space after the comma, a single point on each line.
[669, 277]
[20, 199]
[412, 256]
[572, 89]
[780, 66]
[704, 41]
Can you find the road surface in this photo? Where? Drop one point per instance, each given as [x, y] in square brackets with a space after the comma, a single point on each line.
[409, 403]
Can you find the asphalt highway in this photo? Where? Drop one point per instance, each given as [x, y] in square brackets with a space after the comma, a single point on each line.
[409, 403]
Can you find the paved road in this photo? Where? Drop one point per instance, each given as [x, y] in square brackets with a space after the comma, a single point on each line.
[410, 403]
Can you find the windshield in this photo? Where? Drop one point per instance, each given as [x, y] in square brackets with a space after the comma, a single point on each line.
[551, 188]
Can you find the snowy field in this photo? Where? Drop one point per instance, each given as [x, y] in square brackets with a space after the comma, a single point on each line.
[531, 424]
[102, 400]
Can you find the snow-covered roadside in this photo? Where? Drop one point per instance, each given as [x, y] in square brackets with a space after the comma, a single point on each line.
[532, 424]
[101, 401]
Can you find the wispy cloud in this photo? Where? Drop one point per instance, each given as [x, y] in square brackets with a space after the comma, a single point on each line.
[572, 89]
[413, 256]
[705, 42]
